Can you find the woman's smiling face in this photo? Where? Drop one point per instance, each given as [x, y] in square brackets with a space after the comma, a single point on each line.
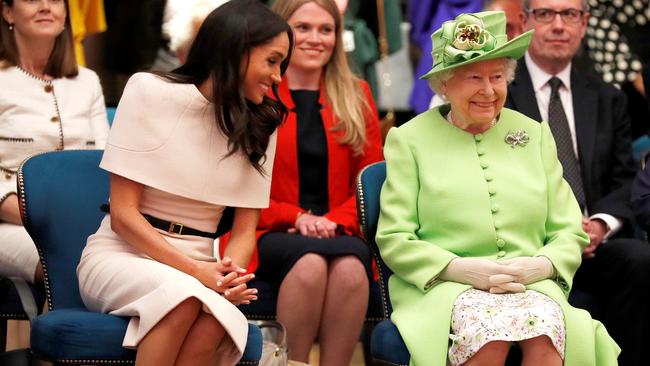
[477, 92]
[36, 19]
[315, 34]
[263, 68]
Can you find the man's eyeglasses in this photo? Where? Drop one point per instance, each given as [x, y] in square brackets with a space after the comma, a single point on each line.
[543, 15]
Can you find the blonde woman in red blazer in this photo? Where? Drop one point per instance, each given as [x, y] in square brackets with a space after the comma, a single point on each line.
[309, 241]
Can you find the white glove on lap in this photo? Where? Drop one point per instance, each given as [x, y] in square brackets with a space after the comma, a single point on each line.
[504, 283]
[534, 269]
[477, 272]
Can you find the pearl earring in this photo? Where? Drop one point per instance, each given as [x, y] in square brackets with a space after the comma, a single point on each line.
[11, 27]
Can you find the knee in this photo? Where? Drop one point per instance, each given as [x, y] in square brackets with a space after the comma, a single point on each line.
[185, 312]
[310, 271]
[210, 330]
[495, 351]
[349, 274]
[538, 346]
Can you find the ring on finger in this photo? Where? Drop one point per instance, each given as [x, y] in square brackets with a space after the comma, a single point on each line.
[316, 223]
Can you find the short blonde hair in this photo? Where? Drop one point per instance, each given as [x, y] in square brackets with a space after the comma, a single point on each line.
[436, 80]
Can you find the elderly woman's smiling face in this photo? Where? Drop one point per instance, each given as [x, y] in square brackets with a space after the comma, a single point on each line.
[477, 92]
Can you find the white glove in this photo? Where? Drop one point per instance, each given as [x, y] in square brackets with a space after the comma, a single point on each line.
[503, 283]
[478, 272]
[534, 269]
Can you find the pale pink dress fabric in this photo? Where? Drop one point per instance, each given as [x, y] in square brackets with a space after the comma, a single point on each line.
[164, 136]
[115, 278]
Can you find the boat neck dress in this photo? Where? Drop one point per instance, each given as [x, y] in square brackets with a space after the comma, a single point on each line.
[165, 137]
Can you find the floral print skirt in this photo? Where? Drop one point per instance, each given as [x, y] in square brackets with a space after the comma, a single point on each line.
[479, 317]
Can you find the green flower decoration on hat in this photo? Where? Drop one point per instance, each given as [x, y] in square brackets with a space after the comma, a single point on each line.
[472, 38]
[465, 38]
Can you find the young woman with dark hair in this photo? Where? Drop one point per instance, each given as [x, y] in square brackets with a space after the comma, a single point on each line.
[47, 103]
[308, 238]
[183, 146]
[247, 123]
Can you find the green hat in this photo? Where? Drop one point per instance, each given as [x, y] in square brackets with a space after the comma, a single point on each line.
[472, 38]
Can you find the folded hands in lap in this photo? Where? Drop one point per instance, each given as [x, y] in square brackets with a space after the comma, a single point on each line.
[510, 275]
[314, 226]
[228, 279]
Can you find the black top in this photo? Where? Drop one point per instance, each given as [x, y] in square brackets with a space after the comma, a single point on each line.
[312, 152]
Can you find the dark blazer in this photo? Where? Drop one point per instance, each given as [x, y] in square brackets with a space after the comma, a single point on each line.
[603, 135]
[641, 197]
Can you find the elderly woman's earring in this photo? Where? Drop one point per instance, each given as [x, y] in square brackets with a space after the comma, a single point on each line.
[11, 27]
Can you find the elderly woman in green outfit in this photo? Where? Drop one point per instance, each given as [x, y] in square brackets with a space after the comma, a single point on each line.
[476, 221]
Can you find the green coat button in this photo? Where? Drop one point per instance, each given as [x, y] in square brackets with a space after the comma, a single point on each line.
[501, 243]
[484, 165]
[488, 177]
[495, 208]
[492, 191]
[478, 137]
[501, 253]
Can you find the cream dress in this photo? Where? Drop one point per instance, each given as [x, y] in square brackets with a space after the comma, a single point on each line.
[165, 137]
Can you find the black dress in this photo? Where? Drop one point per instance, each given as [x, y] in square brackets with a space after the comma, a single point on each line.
[279, 251]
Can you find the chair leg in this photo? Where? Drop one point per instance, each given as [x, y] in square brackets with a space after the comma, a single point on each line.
[366, 332]
[3, 334]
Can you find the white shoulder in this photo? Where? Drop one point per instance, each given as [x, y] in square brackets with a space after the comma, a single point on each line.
[86, 73]
[145, 80]
[87, 77]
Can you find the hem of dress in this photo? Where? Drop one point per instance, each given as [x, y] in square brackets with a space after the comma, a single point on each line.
[136, 331]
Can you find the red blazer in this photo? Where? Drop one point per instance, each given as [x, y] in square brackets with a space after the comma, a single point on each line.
[343, 168]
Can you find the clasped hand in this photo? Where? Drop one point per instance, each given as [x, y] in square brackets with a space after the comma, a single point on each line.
[596, 229]
[228, 279]
[314, 226]
[509, 275]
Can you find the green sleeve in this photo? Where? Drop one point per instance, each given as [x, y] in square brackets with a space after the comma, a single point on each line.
[565, 239]
[415, 261]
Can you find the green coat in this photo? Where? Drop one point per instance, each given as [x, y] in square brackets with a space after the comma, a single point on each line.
[451, 194]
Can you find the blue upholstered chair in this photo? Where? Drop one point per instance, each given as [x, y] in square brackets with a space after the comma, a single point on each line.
[60, 194]
[386, 344]
[110, 114]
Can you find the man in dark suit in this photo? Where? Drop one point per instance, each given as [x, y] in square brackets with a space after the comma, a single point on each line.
[590, 125]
